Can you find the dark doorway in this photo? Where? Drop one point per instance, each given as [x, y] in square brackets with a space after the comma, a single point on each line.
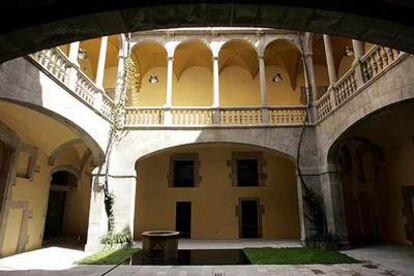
[54, 218]
[183, 218]
[249, 219]
[62, 182]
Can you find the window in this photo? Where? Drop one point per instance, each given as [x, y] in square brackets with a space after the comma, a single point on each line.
[183, 173]
[184, 170]
[247, 172]
[247, 169]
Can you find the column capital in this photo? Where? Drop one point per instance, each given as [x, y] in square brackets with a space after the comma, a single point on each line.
[261, 57]
[214, 58]
[169, 58]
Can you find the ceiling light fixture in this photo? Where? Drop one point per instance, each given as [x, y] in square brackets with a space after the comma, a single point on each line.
[349, 51]
[153, 79]
[82, 54]
[277, 77]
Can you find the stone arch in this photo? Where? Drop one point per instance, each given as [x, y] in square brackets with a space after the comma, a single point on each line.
[139, 143]
[59, 149]
[67, 168]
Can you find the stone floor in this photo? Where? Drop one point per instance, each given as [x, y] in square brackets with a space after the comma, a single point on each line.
[377, 260]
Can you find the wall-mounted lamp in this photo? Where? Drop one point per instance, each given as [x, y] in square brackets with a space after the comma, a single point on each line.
[349, 51]
[277, 77]
[153, 79]
[82, 54]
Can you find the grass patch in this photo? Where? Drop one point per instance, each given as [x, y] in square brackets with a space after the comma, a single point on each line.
[109, 256]
[301, 255]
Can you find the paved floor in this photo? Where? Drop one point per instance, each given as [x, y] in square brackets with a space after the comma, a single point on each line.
[377, 260]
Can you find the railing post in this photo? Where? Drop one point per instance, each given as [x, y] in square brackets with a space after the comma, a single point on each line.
[264, 115]
[216, 116]
[331, 91]
[98, 100]
[358, 74]
[168, 116]
[73, 77]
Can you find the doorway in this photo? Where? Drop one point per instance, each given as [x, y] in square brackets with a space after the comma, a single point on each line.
[183, 218]
[54, 217]
[249, 219]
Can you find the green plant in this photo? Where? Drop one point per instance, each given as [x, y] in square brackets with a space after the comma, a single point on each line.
[115, 239]
[324, 241]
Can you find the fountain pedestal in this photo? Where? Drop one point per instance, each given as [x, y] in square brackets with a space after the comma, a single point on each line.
[160, 245]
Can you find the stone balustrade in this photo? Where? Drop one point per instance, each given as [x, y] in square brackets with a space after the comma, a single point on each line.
[205, 116]
[372, 65]
[377, 61]
[56, 63]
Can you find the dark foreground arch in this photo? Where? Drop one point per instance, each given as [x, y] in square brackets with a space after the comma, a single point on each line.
[33, 25]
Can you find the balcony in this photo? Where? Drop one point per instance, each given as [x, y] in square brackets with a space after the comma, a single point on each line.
[375, 63]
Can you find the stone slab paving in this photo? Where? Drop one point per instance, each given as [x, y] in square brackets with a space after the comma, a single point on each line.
[260, 270]
[392, 260]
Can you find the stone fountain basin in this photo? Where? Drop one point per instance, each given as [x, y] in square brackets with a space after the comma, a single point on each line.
[160, 245]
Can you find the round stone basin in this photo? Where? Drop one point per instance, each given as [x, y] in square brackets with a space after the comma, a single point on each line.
[160, 245]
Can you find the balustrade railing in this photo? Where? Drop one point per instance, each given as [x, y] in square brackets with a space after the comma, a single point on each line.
[376, 61]
[192, 116]
[240, 116]
[204, 116]
[144, 116]
[286, 116]
[57, 64]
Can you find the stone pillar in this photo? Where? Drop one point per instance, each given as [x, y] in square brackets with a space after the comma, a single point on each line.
[263, 91]
[98, 222]
[358, 47]
[330, 59]
[169, 96]
[74, 51]
[216, 90]
[100, 71]
[332, 193]
[124, 188]
[73, 58]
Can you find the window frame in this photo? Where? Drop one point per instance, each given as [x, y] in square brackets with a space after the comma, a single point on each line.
[184, 157]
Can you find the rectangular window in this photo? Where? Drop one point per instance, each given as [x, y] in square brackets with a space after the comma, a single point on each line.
[247, 172]
[183, 173]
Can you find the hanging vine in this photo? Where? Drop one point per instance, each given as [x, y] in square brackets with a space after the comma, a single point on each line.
[115, 133]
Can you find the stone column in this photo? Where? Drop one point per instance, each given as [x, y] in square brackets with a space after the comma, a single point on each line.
[100, 71]
[330, 59]
[332, 193]
[98, 222]
[263, 91]
[358, 47]
[216, 90]
[74, 51]
[169, 95]
[73, 58]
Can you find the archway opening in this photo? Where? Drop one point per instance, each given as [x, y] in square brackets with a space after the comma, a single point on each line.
[150, 85]
[217, 191]
[193, 68]
[285, 81]
[239, 78]
[376, 177]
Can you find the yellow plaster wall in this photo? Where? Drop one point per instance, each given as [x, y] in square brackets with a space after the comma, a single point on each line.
[282, 93]
[214, 201]
[152, 94]
[194, 88]
[36, 194]
[238, 87]
[398, 172]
